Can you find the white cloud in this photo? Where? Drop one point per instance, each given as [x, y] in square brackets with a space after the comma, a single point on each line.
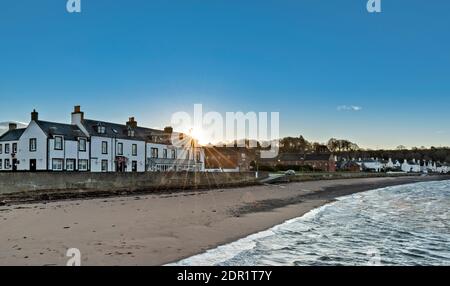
[349, 108]
[441, 132]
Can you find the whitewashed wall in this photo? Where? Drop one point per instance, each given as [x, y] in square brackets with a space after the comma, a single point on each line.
[23, 152]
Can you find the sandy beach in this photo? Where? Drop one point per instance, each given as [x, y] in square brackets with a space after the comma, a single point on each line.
[156, 229]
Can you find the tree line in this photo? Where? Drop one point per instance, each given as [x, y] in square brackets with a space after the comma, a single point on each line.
[350, 150]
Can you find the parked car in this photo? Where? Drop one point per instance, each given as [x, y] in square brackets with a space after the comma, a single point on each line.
[290, 173]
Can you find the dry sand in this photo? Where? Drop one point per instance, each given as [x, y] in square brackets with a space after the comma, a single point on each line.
[158, 229]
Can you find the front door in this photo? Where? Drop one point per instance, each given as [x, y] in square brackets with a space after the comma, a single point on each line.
[33, 165]
[134, 166]
[14, 165]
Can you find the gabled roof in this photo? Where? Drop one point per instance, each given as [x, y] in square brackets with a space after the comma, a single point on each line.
[70, 132]
[120, 131]
[12, 135]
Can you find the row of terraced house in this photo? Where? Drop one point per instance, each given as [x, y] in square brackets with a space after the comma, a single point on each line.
[87, 145]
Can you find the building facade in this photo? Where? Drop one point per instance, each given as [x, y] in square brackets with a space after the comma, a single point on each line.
[88, 145]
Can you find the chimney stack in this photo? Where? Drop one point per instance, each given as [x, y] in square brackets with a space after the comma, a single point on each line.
[168, 130]
[132, 123]
[77, 115]
[12, 126]
[34, 115]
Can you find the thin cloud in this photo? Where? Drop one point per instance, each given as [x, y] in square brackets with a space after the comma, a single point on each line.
[349, 108]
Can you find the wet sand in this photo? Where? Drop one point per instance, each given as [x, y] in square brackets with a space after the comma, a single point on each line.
[158, 229]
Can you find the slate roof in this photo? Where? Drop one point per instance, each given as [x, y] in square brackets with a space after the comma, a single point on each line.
[120, 131]
[12, 135]
[70, 132]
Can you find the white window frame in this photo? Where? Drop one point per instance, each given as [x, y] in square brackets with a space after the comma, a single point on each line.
[120, 148]
[155, 152]
[80, 145]
[104, 147]
[32, 148]
[55, 160]
[56, 139]
[79, 165]
[134, 150]
[73, 162]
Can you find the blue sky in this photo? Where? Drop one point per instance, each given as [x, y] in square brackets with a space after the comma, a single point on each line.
[307, 59]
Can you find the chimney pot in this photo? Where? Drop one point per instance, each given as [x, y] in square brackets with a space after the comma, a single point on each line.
[34, 115]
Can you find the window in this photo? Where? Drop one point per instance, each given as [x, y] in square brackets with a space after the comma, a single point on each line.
[57, 164]
[165, 153]
[33, 145]
[154, 152]
[131, 133]
[7, 164]
[187, 154]
[174, 154]
[1, 149]
[6, 148]
[70, 165]
[1, 164]
[134, 150]
[82, 145]
[82, 165]
[197, 156]
[119, 148]
[104, 165]
[104, 147]
[58, 143]
[101, 129]
[14, 148]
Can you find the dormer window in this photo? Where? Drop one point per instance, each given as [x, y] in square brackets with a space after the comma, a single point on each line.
[130, 133]
[101, 129]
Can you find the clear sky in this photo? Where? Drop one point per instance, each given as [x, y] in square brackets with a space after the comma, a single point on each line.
[330, 68]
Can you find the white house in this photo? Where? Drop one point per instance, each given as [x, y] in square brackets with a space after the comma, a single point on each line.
[51, 146]
[370, 165]
[8, 148]
[96, 146]
[411, 167]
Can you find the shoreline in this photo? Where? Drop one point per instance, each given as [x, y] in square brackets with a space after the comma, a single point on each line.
[158, 229]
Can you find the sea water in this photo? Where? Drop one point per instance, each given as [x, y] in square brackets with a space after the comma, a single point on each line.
[400, 225]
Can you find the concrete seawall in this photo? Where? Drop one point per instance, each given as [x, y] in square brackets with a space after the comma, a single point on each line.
[11, 183]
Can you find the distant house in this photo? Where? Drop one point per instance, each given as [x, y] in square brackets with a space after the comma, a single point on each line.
[411, 166]
[8, 148]
[316, 161]
[228, 159]
[371, 165]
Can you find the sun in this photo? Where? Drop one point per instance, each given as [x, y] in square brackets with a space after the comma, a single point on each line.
[199, 135]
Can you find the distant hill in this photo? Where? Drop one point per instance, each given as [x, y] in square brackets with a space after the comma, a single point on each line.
[4, 126]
